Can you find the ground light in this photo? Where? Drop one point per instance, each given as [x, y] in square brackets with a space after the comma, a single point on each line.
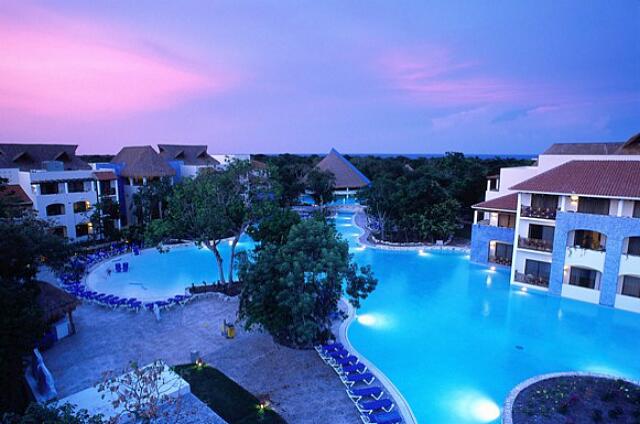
[474, 407]
[367, 319]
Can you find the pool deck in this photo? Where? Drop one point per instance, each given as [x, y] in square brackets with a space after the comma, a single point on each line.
[302, 388]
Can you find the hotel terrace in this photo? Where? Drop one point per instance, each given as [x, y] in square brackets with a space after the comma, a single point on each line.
[568, 225]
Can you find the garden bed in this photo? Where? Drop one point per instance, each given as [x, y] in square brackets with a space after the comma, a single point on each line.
[226, 398]
[577, 399]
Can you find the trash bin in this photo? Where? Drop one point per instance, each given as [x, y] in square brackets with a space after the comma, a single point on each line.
[231, 331]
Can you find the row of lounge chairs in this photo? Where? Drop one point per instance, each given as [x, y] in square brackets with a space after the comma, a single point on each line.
[367, 397]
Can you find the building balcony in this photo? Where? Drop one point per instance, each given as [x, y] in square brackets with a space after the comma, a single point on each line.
[111, 191]
[535, 244]
[500, 260]
[531, 279]
[585, 258]
[540, 213]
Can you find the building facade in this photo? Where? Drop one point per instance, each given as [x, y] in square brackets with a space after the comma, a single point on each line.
[62, 188]
[569, 226]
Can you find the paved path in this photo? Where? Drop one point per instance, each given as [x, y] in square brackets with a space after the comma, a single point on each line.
[302, 388]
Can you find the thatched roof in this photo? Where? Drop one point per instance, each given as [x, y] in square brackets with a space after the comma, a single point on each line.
[347, 175]
[32, 156]
[142, 161]
[631, 147]
[189, 154]
[55, 302]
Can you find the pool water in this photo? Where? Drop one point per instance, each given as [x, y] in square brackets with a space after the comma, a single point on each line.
[455, 338]
[158, 276]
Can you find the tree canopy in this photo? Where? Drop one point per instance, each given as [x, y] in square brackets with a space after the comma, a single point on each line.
[292, 290]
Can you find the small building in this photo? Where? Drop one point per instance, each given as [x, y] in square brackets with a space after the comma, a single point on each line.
[57, 307]
[348, 179]
[15, 199]
[569, 225]
[61, 187]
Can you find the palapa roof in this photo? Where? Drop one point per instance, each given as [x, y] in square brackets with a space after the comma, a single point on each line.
[55, 302]
[189, 154]
[508, 203]
[630, 147]
[142, 161]
[346, 175]
[606, 178]
[32, 156]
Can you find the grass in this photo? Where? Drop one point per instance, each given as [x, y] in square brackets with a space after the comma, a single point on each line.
[225, 397]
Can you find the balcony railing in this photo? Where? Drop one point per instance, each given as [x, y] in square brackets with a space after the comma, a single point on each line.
[111, 191]
[535, 244]
[542, 213]
[500, 260]
[531, 279]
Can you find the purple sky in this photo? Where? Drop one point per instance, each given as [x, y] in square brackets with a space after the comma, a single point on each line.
[279, 76]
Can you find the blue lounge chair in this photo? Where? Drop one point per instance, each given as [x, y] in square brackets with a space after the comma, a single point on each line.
[382, 418]
[351, 379]
[368, 407]
[125, 267]
[342, 353]
[118, 267]
[136, 251]
[374, 392]
[350, 369]
[349, 360]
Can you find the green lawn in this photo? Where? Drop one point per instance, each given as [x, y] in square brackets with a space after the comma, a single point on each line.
[224, 396]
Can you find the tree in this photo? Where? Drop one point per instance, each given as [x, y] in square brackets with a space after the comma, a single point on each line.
[195, 213]
[378, 197]
[25, 245]
[142, 393]
[105, 212]
[274, 227]
[321, 186]
[289, 177]
[151, 199]
[292, 290]
[440, 221]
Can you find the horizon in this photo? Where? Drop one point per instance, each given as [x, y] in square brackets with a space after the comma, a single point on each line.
[276, 77]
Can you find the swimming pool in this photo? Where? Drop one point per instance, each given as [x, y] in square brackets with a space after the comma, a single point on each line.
[156, 276]
[454, 338]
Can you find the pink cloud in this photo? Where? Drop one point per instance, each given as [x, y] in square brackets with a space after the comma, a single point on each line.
[433, 77]
[69, 67]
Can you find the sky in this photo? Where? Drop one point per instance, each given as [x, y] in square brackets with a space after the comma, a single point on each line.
[275, 76]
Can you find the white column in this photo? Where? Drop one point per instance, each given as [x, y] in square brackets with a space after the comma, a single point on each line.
[516, 232]
[620, 206]
[475, 216]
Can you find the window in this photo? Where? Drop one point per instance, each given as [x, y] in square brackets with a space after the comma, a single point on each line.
[49, 188]
[504, 251]
[582, 277]
[541, 232]
[634, 246]
[82, 230]
[631, 286]
[75, 186]
[106, 189]
[593, 205]
[537, 269]
[636, 209]
[55, 209]
[81, 206]
[59, 231]
[138, 182]
[544, 201]
[588, 240]
[494, 184]
[506, 220]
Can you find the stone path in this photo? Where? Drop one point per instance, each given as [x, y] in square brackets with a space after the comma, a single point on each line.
[302, 388]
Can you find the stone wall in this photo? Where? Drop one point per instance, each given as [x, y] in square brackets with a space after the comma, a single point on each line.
[481, 235]
[615, 228]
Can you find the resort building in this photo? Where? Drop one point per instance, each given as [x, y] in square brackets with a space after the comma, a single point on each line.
[188, 160]
[570, 225]
[57, 185]
[348, 179]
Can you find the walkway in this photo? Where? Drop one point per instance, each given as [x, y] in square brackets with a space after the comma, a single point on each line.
[302, 388]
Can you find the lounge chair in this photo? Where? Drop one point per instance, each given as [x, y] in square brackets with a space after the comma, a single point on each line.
[329, 347]
[374, 392]
[118, 267]
[351, 379]
[340, 362]
[125, 267]
[392, 417]
[368, 407]
[350, 369]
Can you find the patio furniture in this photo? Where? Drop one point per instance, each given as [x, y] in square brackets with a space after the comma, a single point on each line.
[368, 407]
[125, 267]
[350, 369]
[118, 267]
[351, 379]
[374, 392]
[382, 418]
[349, 360]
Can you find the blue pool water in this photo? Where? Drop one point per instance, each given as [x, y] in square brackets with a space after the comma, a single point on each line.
[455, 338]
[158, 276]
